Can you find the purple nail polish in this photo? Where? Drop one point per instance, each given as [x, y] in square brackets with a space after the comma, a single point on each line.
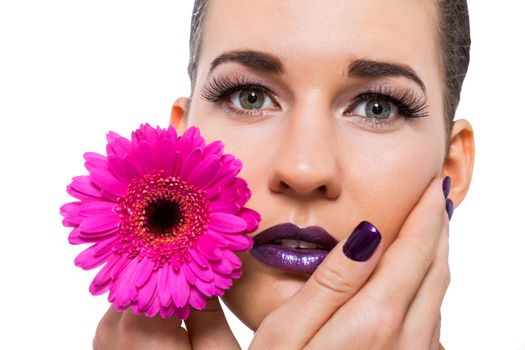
[446, 185]
[362, 242]
[449, 206]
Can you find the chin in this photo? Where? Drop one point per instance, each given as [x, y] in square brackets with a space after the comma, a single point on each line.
[260, 290]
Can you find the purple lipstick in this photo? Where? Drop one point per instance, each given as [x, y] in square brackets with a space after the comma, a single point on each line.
[289, 247]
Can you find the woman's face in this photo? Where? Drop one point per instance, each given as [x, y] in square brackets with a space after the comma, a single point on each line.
[317, 146]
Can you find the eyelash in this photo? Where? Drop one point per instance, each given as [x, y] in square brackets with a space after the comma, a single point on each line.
[409, 104]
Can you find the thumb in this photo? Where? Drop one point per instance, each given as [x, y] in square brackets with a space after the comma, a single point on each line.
[208, 328]
[333, 283]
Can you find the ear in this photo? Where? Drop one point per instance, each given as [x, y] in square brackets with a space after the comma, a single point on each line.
[460, 160]
[179, 114]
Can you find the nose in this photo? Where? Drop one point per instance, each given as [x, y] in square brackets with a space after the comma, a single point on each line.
[306, 159]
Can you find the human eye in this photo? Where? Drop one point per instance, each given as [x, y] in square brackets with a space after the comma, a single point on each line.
[384, 105]
[240, 96]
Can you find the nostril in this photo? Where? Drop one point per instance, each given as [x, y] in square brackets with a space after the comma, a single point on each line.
[283, 186]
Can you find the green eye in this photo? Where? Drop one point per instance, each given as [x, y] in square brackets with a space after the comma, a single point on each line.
[376, 108]
[251, 99]
[379, 109]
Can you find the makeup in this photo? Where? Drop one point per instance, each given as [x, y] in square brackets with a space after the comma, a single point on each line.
[289, 247]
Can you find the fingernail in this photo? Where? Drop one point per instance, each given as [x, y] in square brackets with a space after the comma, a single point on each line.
[449, 205]
[446, 186]
[362, 242]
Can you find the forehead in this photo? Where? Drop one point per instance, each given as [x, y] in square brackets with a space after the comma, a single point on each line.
[307, 33]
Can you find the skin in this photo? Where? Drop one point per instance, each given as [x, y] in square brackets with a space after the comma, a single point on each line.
[310, 159]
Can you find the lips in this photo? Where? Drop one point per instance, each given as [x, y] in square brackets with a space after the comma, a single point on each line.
[289, 247]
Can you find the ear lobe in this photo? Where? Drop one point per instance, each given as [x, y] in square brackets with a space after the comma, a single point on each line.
[179, 114]
[460, 161]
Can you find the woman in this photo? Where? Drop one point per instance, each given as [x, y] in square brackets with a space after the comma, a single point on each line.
[341, 112]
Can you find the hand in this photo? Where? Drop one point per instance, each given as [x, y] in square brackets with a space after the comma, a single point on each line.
[391, 301]
[206, 329]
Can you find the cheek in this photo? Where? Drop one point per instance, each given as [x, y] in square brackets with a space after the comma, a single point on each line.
[387, 178]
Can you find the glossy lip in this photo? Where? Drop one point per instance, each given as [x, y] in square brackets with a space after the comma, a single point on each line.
[288, 258]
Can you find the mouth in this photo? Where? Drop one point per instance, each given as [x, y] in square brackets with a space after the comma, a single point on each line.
[291, 248]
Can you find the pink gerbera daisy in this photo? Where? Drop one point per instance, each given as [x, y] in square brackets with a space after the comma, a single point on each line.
[165, 214]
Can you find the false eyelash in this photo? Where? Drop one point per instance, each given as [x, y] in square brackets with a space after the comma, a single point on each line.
[218, 89]
[409, 104]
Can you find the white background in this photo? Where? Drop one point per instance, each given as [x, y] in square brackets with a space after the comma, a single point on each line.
[72, 70]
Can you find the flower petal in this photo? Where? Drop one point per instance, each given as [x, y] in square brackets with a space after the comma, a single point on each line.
[94, 161]
[87, 260]
[199, 259]
[223, 179]
[96, 208]
[147, 292]
[197, 299]
[239, 242]
[164, 286]
[103, 247]
[70, 212]
[167, 311]
[188, 274]
[217, 238]
[182, 313]
[74, 237]
[119, 267]
[214, 148]
[251, 217]
[228, 223]
[225, 207]
[134, 167]
[122, 291]
[104, 179]
[165, 147]
[99, 223]
[190, 140]
[222, 281]
[236, 273]
[222, 266]
[174, 163]
[208, 248]
[203, 273]
[103, 277]
[144, 272]
[146, 156]
[96, 236]
[205, 288]
[180, 290]
[204, 172]
[84, 185]
[118, 167]
[191, 162]
[117, 144]
[235, 261]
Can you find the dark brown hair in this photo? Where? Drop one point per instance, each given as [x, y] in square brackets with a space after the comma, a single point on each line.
[454, 34]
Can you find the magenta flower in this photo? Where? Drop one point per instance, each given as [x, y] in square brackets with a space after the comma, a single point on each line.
[165, 215]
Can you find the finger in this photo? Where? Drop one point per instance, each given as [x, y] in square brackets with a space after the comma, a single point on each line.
[375, 315]
[424, 311]
[136, 332]
[334, 282]
[435, 344]
[405, 264]
[105, 335]
[209, 329]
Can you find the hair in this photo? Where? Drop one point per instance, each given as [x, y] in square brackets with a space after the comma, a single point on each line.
[454, 36]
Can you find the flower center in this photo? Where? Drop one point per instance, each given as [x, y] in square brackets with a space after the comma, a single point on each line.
[162, 216]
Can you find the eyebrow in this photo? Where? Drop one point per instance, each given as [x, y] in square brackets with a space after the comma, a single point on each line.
[363, 68]
[374, 69]
[256, 60]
